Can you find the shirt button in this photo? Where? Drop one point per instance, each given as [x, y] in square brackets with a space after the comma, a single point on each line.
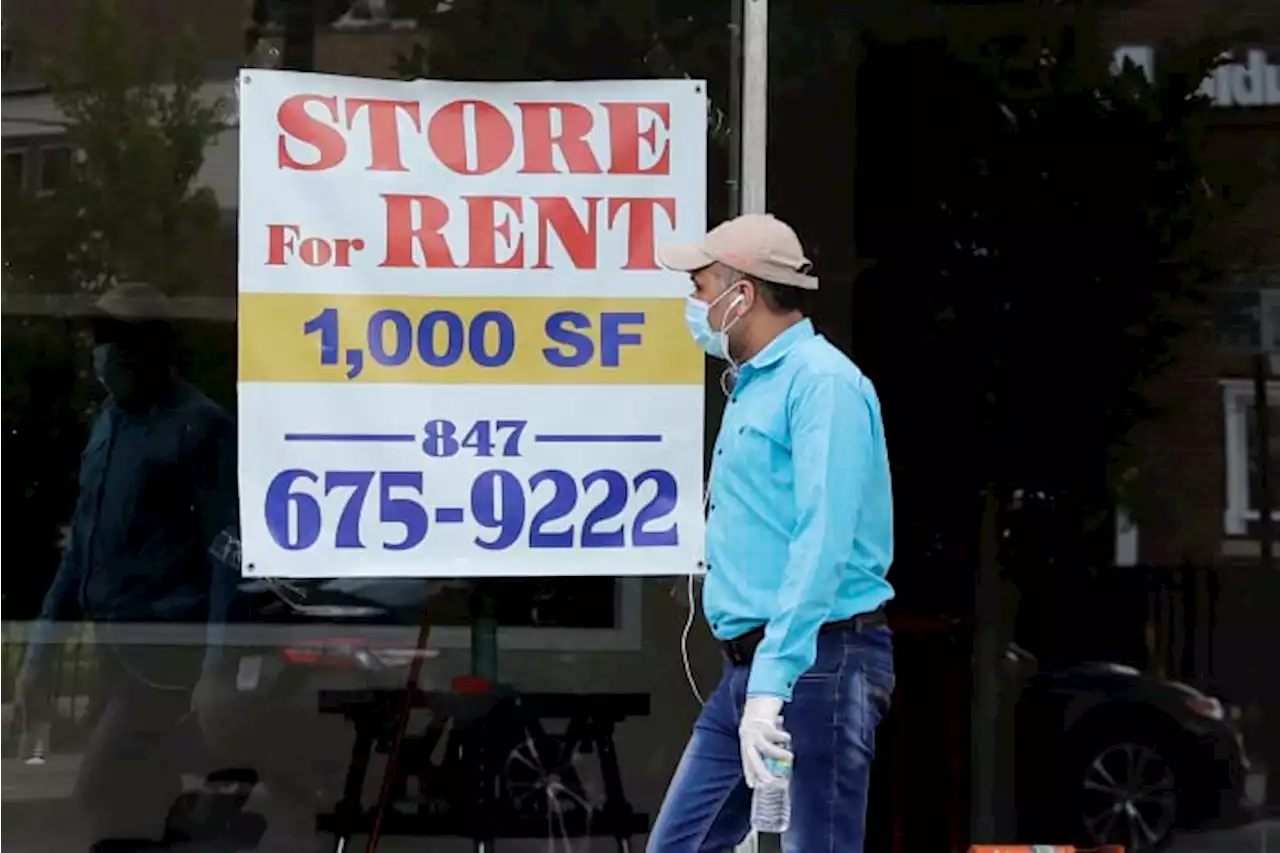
[713, 507]
[720, 452]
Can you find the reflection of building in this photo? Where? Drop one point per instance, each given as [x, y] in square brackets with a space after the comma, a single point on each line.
[1246, 78]
[1197, 464]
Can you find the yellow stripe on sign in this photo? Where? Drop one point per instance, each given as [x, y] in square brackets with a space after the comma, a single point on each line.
[465, 340]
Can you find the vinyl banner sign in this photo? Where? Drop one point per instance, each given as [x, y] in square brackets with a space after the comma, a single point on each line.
[458, 356]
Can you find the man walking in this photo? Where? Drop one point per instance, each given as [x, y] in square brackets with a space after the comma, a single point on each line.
[157, 488]
[799, 539]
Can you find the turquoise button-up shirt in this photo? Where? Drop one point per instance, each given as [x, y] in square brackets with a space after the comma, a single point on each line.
[800, 516]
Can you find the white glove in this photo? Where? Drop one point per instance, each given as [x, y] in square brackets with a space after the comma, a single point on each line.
[761, 737]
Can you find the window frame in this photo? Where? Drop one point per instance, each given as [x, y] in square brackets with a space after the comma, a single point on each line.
[625, 636]
[1237, 397]
[25, 154]
[33, 147]
[42, 152]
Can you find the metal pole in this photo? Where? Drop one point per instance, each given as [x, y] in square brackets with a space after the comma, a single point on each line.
[1262, 462]
[735, 108]
[755, 103]
[6, 52]
[749, 117]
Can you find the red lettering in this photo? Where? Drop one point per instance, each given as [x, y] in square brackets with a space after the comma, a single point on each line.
[540, 141]
[280, 238]
[403, 238]
[497, 230]
[578, 236]
[384, 129]
[295, 121]
[282, 241]
[343, 247]
[625, 136]
[640, 215]
[484, 229]
[315, 252]
[495, 141]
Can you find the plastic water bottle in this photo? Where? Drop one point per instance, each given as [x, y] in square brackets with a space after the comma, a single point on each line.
[771, 799]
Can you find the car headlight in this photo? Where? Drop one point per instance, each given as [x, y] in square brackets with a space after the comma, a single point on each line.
[1206, 706]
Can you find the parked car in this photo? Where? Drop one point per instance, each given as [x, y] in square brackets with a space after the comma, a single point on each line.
[1107, 754]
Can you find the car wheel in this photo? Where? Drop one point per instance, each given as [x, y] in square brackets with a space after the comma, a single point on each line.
[1128, 795]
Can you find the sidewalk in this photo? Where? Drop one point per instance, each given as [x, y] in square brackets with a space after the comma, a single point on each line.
[1260, 837]
[53, 780]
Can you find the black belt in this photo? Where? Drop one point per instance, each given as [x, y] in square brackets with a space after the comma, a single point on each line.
[741, 650]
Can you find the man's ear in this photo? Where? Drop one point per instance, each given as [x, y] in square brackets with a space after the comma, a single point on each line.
[750, 294]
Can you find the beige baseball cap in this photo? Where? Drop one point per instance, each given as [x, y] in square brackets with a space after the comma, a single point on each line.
[757, 244]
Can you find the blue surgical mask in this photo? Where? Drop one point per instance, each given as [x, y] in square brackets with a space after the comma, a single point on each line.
[697, 316]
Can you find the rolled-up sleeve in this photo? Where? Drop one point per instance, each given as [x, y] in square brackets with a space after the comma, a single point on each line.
[831, 439]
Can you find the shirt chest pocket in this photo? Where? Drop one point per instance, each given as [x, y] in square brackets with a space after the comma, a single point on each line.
[762, 447]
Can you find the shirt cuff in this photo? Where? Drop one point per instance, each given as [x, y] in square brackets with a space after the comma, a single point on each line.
[770, 677]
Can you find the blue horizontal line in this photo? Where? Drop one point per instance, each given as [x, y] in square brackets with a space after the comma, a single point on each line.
[598, 439]
[346, 436]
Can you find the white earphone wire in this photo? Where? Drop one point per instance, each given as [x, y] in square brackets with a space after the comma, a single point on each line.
[727, 378]
[688, 620]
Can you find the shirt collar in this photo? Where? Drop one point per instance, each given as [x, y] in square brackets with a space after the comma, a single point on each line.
[778, 348]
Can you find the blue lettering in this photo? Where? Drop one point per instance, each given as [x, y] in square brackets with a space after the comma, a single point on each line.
[560, 329]
[454, 338]
[505, 345]
[613, 339]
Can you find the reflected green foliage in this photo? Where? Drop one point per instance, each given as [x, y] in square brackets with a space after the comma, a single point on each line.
[580, 40]
[128, 209]
[568, 39]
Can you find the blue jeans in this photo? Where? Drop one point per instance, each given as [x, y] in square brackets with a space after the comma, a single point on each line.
[832, 720]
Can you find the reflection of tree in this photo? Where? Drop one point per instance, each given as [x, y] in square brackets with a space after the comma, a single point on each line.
[127, 209]
[1042, 238]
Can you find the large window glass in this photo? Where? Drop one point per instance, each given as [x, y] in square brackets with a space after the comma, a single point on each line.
[1022, 251]
[154, 696]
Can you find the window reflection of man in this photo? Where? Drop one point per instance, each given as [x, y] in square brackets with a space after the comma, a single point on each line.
[157, 486]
